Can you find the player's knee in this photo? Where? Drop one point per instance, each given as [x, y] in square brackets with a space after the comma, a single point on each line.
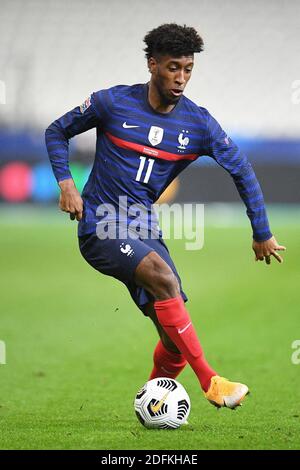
[166, 286]
[157, 277]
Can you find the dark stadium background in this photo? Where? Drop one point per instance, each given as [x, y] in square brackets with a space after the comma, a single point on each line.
[248, 77]
[63, 372]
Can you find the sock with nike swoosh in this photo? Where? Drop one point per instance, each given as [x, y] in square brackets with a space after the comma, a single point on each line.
[166, 363]
[175, 320]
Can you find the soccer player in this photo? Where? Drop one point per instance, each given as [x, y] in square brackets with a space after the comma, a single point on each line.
[146, 135]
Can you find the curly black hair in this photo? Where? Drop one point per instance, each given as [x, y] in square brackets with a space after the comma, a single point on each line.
[172, 39]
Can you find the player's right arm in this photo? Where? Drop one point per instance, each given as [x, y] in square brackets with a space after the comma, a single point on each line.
[57, 135]
[70, 200]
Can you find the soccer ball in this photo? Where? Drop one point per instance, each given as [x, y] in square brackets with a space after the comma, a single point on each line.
[162, 403]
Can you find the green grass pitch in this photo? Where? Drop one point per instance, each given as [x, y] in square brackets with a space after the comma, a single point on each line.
[78, 349]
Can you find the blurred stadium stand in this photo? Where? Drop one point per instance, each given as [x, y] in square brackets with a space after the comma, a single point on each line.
[53, 54]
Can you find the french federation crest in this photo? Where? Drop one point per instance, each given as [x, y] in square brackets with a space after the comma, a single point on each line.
[183, 140]
[155, 135]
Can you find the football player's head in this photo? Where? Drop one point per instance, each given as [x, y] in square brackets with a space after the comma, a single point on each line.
[170, 55]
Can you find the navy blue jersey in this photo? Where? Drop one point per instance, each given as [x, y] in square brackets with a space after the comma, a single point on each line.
[140, 151]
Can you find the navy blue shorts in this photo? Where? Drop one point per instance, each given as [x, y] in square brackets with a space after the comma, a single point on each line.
[119, 258]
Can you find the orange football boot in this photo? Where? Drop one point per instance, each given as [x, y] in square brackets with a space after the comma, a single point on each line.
[222, 392]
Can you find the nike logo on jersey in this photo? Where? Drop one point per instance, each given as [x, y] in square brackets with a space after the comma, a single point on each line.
[180, 331]
[128, 126]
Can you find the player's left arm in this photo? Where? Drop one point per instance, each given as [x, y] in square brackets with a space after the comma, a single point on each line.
[266, 249]
[228, 155]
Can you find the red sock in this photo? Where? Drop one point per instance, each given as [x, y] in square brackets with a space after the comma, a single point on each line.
[166, 363]
[175, 320]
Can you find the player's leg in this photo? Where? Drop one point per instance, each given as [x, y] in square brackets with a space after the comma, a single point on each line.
[154, 275]
[136, 264]
[168, 360]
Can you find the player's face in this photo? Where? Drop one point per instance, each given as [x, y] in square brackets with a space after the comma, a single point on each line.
[170, 76]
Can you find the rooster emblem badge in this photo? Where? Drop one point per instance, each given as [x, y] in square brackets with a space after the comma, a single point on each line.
[183, 140]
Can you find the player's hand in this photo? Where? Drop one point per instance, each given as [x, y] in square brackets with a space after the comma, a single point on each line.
[264, 250]
[70, 199]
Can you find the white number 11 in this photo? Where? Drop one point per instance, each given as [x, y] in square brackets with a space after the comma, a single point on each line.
[141, 167]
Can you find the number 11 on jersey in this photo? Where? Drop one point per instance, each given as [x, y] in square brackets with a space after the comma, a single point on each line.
[141, 167]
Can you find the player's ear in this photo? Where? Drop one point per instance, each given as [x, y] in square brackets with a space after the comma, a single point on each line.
[152, 64]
